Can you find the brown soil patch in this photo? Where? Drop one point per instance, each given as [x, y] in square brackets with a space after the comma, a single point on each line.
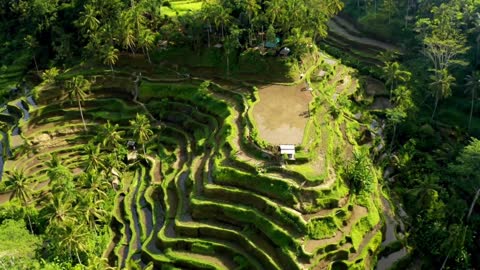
[282, 113]
[5, 197]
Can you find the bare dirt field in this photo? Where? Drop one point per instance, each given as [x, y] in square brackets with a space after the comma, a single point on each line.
[282, 113]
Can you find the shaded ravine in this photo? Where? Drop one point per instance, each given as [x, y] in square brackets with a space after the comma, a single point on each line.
[391, 224]
[26, 114]
[31, 101]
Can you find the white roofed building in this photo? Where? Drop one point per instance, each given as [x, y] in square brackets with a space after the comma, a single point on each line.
[289, 150]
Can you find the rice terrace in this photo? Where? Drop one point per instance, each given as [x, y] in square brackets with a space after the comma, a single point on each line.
[212, 135]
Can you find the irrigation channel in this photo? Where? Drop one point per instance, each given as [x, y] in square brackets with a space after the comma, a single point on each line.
[212, 193]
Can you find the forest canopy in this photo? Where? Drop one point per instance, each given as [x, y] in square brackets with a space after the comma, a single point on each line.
[424, 53]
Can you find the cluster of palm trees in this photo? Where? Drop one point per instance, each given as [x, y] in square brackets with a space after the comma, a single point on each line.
[441, 83]
[400, 95]
[76, 211]
[108, 25]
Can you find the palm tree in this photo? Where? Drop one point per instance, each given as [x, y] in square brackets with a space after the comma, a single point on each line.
[393, 74]
[96, 183]
[54, 161]
[146, 38]
[109, 135]
[112, 162]
[125, 32]
[60, 176]
[88, 18]
[251, 8]
[97, 263]
[274, 8]
[222, 17]
[141, 129]
[77, 88]
[91, 206]
[395, 116]
[110, 56]
[472, 86]
[17, 182]
[136, 18]
[94, 160]
[441, 85]
[61, 180]
[61, 212]
[387, 56]
[73, 239]
[231, 44]
[32, 44]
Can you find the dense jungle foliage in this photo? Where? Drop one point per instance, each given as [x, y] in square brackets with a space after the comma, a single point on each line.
[433, 81]
[435, 124]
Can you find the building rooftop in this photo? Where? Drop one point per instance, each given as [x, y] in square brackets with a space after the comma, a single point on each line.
[287, 149]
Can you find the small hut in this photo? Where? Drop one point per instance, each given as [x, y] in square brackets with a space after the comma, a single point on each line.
[289, 150]
[285, 51]
[131, 145]
[132, 156]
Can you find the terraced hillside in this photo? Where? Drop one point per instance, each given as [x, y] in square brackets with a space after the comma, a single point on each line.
[209, 192]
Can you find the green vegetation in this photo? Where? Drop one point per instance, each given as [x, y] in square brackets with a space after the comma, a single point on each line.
[130, 136]
[18, 244]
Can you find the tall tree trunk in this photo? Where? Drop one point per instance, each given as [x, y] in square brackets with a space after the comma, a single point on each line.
[477, 49]
[445, 261]
[144, 152]
[148, 56]
[473, 204]
[111, 68]
[35, 62]
[208, 35]
[391, 90]
[28, 217]
[250, 31]
[471, 109]
[228, 65]
[406, 13]
[81, 114]
[435, 106]
[393, 136]
[223, 33]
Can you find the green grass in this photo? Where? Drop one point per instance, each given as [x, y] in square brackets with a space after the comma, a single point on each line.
[322, 228]
[274, 188]
[181, 7]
